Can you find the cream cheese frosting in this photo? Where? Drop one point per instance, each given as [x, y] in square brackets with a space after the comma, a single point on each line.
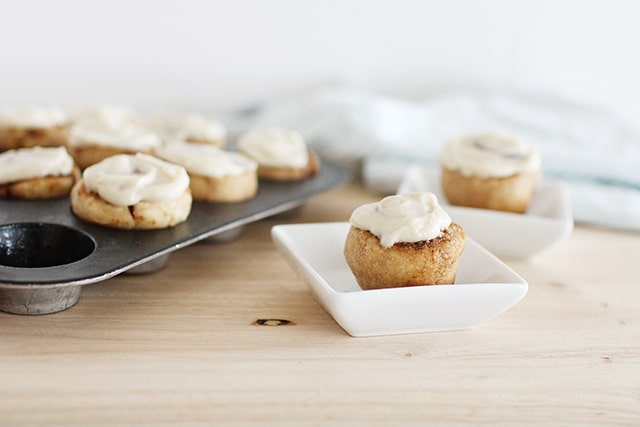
[126, 137]
[110, 116]
[410, 218]
[275, 147]
[124, 180]
[188, 126]
[37, 162]
[37, 117]
[206, 160]
[490, 155]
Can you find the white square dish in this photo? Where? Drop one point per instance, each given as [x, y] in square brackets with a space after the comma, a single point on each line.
[484, 286]
[548, 220]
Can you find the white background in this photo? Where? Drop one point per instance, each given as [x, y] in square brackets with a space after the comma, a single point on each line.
[224, 54]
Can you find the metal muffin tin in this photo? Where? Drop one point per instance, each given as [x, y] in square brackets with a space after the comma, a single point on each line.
[47, 254]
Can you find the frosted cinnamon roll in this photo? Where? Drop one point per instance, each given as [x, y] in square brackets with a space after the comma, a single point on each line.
[281, 154]
[190, 127]
[93, 140]
[37, 173]
[490, 171]
[30, 127]
[215, 175]
[403, 240]
[111, 116]
[133, 192]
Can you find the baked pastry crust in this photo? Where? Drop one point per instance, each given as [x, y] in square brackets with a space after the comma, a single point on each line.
[86, 156]
[510, 194]
[18, 137]
[224, 189]
[429, 262]
[47, 187]
[91, 207]
[287, 173]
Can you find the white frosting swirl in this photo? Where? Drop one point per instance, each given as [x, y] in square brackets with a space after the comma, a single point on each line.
[490, 155]
[188, 126]
[126, 137]
[124, 180]
[37, 162]
[275, 147]
[110, 116]
[411, 217]
[33, 117]
[206, 160]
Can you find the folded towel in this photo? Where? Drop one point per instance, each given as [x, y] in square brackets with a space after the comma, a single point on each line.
[592, 151]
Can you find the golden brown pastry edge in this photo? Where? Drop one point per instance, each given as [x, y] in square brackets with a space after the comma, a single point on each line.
[88, 155]
[47, 187]
[510, 194]
[432, 262]
[281, 173]
[224, 189]
[90, 207]
[12, 137]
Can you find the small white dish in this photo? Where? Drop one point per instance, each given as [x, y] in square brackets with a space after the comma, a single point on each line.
[548, 220]
[485, 286]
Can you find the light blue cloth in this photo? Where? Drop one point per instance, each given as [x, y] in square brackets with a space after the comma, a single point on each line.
[594, 153]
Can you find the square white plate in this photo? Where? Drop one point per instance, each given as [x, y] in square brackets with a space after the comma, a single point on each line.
[485, 286]
[509, 235]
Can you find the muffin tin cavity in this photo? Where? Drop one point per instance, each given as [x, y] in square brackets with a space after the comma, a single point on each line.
[37, 245]
[47, 254]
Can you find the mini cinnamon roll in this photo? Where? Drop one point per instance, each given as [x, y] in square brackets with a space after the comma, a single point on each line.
[190, 127]
[89, 145]
[281, 154]
[216, 175]
[403, 240]
[31, 127]
[37, 173]
[490, 171]
[133, 192]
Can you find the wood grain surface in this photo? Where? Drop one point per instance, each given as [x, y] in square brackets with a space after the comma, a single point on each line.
[181, 346]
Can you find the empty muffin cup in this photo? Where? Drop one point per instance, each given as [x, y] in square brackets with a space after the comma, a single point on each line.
[31, 245]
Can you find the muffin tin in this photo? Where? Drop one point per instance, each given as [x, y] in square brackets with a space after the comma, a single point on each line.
[47, 254]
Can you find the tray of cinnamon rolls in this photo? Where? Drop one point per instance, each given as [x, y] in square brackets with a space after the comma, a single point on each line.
[89, 194]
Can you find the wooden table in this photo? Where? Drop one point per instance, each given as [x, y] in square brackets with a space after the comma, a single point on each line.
[181, 346]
